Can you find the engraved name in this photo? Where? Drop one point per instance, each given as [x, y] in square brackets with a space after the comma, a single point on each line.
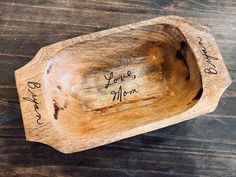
[33, 99]
[211, 69]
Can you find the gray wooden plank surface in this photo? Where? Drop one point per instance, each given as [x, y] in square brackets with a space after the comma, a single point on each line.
[205, 146]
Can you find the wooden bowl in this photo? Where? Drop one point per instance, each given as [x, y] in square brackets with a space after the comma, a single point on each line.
[105, 86]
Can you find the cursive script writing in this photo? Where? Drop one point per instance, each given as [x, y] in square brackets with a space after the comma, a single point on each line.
[120, 94]
[33, 99]
[111, 80]
[209, 59]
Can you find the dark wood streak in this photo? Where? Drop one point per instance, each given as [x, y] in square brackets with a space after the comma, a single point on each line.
[33, 99]
[49, 68]
[57, 108]
[208, 58]
[104, 109]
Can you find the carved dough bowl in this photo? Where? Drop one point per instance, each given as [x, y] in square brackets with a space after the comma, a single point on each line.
[102, 87]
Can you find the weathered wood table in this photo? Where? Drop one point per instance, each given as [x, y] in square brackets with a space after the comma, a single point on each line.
[205, 146]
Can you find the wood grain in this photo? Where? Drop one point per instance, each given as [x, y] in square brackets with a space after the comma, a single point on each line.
[162, 72]
[201, 147]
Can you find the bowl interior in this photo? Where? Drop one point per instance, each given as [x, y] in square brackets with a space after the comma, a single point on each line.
[121, 81]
